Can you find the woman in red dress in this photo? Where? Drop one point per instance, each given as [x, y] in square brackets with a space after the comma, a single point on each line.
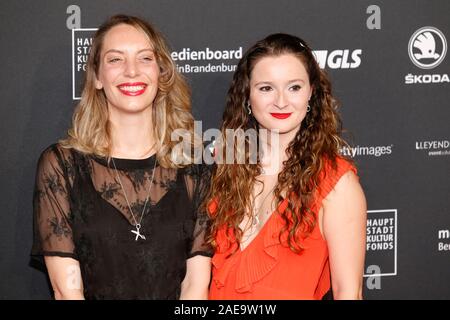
[291, 226]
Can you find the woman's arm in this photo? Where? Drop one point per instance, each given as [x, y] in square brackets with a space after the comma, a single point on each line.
[344, 228]
[65, 277]
[195, 285]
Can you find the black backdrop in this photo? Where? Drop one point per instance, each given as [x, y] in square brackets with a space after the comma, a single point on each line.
[394, 104]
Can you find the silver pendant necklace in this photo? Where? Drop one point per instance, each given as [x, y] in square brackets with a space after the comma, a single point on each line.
[137, 225]
[255, 220]
[257, 211]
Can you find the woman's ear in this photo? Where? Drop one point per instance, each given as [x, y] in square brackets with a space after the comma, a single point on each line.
[98, 84]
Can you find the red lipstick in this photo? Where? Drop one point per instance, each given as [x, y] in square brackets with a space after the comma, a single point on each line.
[281, 115]
[132, 88]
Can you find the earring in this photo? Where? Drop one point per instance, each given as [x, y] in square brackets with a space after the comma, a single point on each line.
[308, 108]
[98, 85]
[247, 106]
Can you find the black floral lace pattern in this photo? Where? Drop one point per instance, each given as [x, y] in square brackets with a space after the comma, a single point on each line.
[80, 212]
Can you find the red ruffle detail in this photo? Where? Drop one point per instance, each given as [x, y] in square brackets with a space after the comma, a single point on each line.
[329, 176]
[254, 265]
[224, 251]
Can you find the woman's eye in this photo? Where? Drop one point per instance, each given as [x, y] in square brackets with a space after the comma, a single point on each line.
[113, 60]
[265, 88]
[295, 87]
[147, 58]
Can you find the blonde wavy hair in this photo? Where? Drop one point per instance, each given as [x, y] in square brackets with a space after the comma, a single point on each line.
[317, 141]
[90, 131]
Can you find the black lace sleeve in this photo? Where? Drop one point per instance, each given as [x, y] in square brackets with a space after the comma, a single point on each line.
[198, 180]
[51, 206]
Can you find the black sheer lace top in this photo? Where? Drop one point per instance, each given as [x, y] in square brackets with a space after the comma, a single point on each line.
[80, 212]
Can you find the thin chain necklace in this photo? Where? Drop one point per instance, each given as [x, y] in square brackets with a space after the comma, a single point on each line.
[256, 213]
[137, 225]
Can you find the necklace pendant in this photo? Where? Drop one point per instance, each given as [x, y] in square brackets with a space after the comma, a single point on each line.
[138, 233]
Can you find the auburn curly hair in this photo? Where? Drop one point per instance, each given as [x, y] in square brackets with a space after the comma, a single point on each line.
[317, 141]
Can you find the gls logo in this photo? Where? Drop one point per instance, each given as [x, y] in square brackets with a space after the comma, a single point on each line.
[427, 47]
[338, 59]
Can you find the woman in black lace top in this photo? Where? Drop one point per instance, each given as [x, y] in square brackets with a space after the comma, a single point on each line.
[117, 210]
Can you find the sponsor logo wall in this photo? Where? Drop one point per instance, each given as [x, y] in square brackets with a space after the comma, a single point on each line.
[205, 60]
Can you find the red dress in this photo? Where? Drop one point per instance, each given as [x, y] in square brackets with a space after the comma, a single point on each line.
[266, 269]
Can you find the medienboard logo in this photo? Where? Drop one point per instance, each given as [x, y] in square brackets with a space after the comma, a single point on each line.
[206, 60]
[81, 45]
[381, 245]
[427, 48]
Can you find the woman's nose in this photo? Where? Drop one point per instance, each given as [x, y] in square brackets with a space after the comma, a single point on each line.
[131, 69]
[281, 101]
